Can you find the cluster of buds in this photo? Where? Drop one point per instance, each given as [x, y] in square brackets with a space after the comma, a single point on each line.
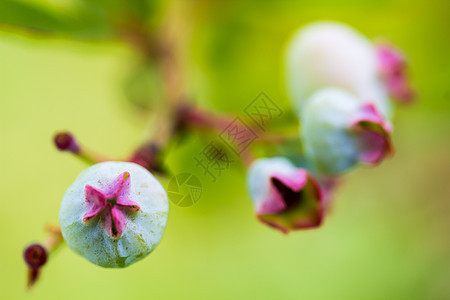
[115, 212]
[339, 85]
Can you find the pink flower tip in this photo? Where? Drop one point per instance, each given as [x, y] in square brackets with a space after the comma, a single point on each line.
[373, 132]
[65, 141]
[35, 256]
[295, 202]
[392, 66]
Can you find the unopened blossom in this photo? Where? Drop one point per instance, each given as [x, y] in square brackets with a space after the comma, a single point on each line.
[35, 257]
[331, 54]
[284, 197]
[338, 132]
[65, 141]
[114, 214]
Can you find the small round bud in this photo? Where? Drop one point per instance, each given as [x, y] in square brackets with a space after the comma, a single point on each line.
[332, 54]
[338, 132]
[65, 141]
[35, 256]
[114, 214]
[285, 197]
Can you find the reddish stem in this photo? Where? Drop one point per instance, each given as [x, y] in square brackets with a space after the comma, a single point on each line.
[198, 118]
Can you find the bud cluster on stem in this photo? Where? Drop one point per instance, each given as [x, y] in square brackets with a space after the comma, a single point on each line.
[115, 212]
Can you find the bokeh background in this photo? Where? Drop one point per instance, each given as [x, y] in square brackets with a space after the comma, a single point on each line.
[386, 238]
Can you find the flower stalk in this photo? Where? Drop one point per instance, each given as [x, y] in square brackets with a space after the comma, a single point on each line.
[65, 141]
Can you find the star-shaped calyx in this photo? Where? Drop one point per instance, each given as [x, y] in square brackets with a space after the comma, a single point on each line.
[112, 204]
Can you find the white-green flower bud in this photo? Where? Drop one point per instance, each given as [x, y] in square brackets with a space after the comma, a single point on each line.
[285, 197]
[338, 132]
[114, 214]
[331, 54]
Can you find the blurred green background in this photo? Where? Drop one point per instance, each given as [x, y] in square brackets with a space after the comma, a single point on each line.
[386, 238]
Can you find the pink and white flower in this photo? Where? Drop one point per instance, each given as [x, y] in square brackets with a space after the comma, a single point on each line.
[285, 197]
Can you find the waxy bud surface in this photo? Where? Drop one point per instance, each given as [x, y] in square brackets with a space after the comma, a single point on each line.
[114, 214]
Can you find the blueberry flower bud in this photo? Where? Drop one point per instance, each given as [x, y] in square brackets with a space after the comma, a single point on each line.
[284, 197]
[35, 256]
[330, 54]
[338, 132]
[114, 214]
[65, 141]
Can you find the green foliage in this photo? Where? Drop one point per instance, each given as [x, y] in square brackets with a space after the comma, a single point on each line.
[86, 20]
[142, 87]
[35, 18]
